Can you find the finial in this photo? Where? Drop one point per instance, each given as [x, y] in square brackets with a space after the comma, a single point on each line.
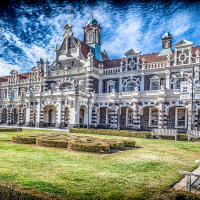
[167, 28]
[92, 13]
[56, 47]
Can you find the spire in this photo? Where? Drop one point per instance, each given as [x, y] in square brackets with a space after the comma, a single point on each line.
[92, 13]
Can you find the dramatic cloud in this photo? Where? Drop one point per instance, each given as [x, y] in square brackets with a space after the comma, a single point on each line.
[28, 32]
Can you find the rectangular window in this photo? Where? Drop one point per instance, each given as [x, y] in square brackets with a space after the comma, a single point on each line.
[153, 117]
[181, 117]
[130, 116]
[110, 88]
[155, 86]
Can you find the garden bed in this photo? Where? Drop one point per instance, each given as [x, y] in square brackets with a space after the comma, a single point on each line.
[76, 142]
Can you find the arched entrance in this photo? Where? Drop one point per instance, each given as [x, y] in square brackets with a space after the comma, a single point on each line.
[103, 117]
[14, 116]
[82, 117]
[4, 116]
[126, 117]
[50, 116]
[66, 117]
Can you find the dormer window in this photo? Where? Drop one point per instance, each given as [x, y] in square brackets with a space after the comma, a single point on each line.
[110, 86]
[155, 83]
[90, 36]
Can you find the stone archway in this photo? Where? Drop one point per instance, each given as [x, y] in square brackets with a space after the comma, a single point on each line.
[83, 116]
[49, 116]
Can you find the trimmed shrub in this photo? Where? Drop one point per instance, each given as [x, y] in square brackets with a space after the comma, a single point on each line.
[90, 147]
[125, 133]
[172, 194]
[2, 129]
[13, 191]
[105, 147]
[44, 142]
[24, 139]
[129, 143]
[116, 145]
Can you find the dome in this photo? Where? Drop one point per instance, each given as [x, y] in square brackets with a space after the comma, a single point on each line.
[40, 60]
[92, 21]
[167, 34]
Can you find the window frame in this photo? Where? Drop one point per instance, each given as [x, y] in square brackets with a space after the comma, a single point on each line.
[176, 117]
[150, 113]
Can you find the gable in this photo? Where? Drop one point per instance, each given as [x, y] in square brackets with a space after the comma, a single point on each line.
[183, 43]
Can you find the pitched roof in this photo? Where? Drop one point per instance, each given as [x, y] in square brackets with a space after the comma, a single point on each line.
[113, 63]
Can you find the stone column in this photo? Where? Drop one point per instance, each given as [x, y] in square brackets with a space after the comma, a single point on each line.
[62, 120]
[19, 120]
[142, 82]
[28, 113]
[89, 87]
[58, 115]
[94, 117]
[73, 117]
[100, 86]
[120, 84]
[161, 116]
[196, 120]
[41, 116]
[8, 122]
[168, 84]
[37, 123]
[113, 116]
[136, 116]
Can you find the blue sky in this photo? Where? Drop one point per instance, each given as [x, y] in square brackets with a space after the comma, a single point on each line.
[29, 31]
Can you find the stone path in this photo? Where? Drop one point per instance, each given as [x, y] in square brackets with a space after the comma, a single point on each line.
[181, 184]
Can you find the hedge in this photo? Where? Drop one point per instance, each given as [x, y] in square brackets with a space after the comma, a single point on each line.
[2, 129]
[172, 194]
[125, 133]
[74, 142]
[24, 139]
[13, 191]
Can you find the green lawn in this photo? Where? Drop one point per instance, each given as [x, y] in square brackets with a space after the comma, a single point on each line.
[78, 175]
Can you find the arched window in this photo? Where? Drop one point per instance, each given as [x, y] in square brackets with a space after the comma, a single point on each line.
[65, 86]
[90, 36]
[131, 87]
[166, 45]
[13, 95]
[97, 37]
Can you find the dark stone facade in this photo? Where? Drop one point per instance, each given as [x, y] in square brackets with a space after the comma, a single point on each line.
[68, 64]
[171, 118]
[95, 85]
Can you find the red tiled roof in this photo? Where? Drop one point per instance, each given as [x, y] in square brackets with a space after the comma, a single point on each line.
[4, 78]
[194, 49]
[24, 76]
[113, 63]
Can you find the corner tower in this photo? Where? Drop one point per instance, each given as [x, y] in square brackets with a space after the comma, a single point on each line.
[92, 37]
[166, 44]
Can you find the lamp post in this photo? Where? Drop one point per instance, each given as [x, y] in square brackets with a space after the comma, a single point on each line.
[118, 118]
[192, 98]
[88, 96]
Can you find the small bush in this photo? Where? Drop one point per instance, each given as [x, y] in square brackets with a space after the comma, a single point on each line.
[13, 191]
[172, 194]
[129, 143]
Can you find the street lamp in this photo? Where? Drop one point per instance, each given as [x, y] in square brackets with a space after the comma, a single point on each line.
[118, 118]
[88, 96]
[191, 125]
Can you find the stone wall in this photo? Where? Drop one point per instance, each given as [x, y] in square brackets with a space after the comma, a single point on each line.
[95, 85]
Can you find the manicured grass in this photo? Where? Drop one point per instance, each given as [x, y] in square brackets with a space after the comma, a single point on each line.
[133, 174]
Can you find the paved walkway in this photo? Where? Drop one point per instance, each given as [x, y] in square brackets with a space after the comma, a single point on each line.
[24, 127]
[181, 184]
